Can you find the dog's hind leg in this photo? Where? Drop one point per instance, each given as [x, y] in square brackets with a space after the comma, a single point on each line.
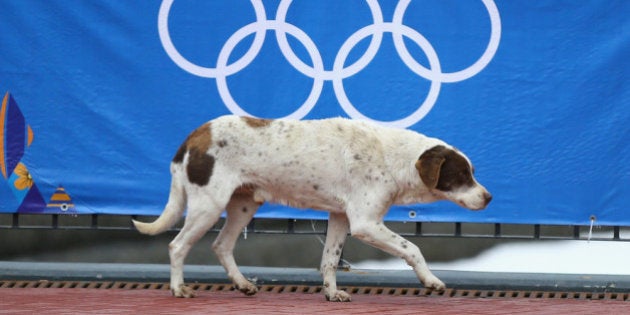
[203, 213]
[336, 234]
[240, 211]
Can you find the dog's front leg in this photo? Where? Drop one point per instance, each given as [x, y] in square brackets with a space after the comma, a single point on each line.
[375, 233]
[335, 238]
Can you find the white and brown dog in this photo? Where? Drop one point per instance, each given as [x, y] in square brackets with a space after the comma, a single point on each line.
[353, 169]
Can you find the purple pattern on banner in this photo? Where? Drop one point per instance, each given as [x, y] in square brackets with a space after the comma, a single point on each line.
[33, 202]
[15, 135]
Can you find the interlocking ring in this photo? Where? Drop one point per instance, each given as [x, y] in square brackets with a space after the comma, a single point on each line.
[338, 73]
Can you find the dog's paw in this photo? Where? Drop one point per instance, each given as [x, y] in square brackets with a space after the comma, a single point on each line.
[338, 296]
[433, 283]
[184, 291]
[247, 288]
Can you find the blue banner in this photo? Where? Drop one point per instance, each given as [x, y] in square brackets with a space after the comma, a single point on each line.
[98, 95]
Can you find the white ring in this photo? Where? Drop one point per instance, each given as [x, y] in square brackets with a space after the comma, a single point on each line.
[338, 72]
[362, 62]
[318, 64]
[208, 72]
[398, 29]
[482, 62]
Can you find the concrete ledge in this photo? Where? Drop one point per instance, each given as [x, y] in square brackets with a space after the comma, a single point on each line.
[305, 276]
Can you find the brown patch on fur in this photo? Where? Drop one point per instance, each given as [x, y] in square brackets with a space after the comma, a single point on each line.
[456, 172]
[200, 138]
[179, 156]
[444, 169]
[200, 167]
[200, 164]
[244, 190]
[257, 122]
[429, 165]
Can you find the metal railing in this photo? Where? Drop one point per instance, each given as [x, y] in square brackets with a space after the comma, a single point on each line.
[100, 222]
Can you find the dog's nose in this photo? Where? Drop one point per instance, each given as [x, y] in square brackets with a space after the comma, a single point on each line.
[488, 197]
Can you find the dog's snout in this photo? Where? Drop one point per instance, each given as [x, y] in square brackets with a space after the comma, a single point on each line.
[487, 197]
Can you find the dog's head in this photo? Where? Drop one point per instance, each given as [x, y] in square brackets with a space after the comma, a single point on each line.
[449, 175]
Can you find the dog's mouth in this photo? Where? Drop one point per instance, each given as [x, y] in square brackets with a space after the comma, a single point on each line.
[477, 208]
[480, 204]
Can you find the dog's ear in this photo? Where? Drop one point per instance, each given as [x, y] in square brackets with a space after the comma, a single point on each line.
[429, 165]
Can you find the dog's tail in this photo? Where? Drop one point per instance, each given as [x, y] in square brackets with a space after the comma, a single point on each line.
[172, 212]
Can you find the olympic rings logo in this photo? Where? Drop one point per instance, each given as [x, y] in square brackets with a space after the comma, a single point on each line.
[339, 72]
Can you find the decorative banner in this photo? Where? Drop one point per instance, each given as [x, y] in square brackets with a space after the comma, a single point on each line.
[60, 200]
[99, 96]
[15, 137]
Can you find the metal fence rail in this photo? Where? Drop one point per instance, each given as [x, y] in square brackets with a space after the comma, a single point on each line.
[80, 273]
[99, 222]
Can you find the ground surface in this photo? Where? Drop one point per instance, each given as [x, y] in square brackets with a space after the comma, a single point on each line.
[121, 301]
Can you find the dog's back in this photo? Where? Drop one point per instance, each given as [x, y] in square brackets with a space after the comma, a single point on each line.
[315, 163]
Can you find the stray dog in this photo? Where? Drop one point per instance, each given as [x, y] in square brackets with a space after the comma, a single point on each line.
[353, 169]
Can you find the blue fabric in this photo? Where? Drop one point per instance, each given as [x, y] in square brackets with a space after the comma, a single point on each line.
[535, 92]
